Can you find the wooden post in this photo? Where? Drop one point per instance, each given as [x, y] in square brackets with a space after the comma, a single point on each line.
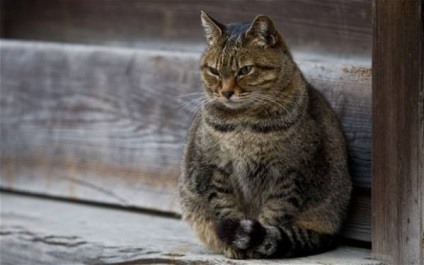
[398, 132]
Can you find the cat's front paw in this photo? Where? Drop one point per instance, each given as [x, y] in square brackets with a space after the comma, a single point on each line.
[241, 234]
[233, 253]
[253, 255]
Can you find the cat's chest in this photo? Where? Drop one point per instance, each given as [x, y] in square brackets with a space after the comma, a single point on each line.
[253, 158]
[253, 161]
[243, 145]
[252, 168]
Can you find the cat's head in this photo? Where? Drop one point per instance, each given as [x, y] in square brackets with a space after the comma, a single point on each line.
[243, 62]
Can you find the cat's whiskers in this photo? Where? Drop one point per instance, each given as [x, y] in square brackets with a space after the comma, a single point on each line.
[192, 94]
[295, 102]
[265, 111]
[287, 100]
[272, 102]
[243, 97]
[194, 104]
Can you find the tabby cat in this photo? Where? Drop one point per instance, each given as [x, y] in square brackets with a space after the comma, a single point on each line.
[265, 170]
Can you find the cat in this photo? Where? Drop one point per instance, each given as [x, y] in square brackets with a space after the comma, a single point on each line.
[264, 171]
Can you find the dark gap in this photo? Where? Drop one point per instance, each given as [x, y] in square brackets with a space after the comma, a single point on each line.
[354, 243]
[96, 204]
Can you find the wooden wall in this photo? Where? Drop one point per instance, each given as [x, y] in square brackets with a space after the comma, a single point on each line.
[107, 123]
[335, 27]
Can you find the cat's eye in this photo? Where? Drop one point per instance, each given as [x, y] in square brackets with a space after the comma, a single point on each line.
[245, 70]
[213, 71]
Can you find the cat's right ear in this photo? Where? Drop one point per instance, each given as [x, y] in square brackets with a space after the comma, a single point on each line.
[262, 31]
[213, 29]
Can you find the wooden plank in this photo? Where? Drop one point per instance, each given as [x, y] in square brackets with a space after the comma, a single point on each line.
[2, 16]
[398, 125]
[339, 27]
[108, 125]
[41, 231]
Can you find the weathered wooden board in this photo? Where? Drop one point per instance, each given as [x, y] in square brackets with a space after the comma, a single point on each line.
[340, 27]
[108, 125]
[398, 132]
[42, 231]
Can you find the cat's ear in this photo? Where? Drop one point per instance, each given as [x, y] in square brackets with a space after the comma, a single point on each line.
[213, 29]
[263, 32]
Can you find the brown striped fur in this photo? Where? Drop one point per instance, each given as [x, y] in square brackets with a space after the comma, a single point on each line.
[265, 169]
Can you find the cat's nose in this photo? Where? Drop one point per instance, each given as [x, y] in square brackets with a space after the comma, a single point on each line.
[227, 93]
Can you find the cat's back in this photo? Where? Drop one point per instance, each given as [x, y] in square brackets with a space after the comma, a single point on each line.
[327, 122]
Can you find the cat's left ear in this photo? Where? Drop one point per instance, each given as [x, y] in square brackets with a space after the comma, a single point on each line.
[213, 29]
[263, 32]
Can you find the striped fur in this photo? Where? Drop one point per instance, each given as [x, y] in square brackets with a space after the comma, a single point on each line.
[272, 241]
[264, 172]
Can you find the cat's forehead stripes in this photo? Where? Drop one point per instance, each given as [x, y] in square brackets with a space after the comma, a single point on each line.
[233, 35]
[227, 58]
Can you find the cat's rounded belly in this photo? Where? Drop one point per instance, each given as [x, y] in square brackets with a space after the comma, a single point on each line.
[255, 161]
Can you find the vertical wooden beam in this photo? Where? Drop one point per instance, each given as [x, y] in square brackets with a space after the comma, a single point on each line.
[2, 20]
[398, 125]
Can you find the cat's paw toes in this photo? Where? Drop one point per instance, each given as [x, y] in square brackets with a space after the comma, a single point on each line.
[253, 254]
[233, 253]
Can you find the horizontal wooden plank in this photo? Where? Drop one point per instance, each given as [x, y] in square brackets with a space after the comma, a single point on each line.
[339, 27]
[41, 231]
[108, 125]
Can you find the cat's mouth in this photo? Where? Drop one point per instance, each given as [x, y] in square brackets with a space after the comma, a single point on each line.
[235, 102]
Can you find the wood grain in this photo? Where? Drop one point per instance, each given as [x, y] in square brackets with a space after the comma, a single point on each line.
[398, 132]
[41, 231]
[108, 125]
[338, 27]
